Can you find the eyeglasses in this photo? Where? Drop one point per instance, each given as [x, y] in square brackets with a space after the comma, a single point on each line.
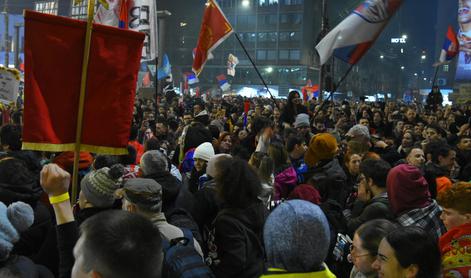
[353, 249]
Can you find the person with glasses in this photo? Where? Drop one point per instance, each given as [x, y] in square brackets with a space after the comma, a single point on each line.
[364, 247]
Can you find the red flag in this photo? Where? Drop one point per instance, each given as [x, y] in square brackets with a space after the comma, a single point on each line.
[53, 64]
[215, 28]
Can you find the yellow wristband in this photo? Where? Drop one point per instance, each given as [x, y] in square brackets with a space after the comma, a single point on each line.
[59, 199]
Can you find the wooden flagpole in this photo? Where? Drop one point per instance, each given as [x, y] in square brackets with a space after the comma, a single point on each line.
[83, 87]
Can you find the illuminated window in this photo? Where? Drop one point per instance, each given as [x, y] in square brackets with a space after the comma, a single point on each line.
[446, 68]
[47, 7]
[79, 11]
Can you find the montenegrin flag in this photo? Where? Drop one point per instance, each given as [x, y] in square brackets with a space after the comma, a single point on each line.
[357, 33]
[215, 28]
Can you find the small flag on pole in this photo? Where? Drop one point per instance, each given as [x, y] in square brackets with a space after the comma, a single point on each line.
[123, 15]
[222, 80]
[352, 38]
[215, 28]
[165, 70]
[232, 62]
[191, 78]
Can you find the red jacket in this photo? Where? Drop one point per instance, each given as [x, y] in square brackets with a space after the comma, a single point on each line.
[455, 248]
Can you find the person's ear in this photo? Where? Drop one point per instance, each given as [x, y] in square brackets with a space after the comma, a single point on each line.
[411, 271]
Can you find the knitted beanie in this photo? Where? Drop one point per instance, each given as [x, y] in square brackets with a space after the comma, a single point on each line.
[407, 189]
[17, 218]
[306, 192]
[322, 146]
[359, 131]
[99, 186]
[302, 120]
[296, 237]
[204, 151]
[153, 161]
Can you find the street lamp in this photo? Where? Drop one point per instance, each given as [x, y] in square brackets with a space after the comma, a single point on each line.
[269, 69]
[381, 57]
[404, 36]
[423, 57]
[245, 3]
[402, 67]
[415, 74]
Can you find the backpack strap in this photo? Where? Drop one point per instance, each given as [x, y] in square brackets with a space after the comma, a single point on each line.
[188, 235]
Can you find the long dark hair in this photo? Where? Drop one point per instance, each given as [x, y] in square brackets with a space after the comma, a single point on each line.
[372, 232]
[291, 108]
[238, 184]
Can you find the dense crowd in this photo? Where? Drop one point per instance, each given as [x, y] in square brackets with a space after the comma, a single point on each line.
[288, 189]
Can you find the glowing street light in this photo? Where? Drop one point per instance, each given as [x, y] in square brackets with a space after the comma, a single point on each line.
[423, 57]
[415, 74]
[381, 57]
[269, 69]
[402, 67]
[404, 36]
[245, 3]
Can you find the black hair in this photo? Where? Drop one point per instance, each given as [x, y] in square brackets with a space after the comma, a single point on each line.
[10, 135]
[102, 161]
[259, 123]
[133, 133]
[152, 144]
[375, 169]
[292, 142]
[438, 129]
[130, 158]
[214, 131]
[414, 246]
[239, 185]
[372, 232]
[161, 120]
[279, 155]
[437, 149]
[121, 244]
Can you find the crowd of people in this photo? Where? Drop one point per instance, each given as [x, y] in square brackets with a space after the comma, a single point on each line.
[288, 189]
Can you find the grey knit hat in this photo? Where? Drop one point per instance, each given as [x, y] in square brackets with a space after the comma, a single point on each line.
[17, 218]
[302, 120]
[100, 185]
[296, 236]
[153, 161]
[359, 131]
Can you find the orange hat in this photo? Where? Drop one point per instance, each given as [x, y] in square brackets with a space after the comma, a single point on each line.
[322, 146]
[443, 183]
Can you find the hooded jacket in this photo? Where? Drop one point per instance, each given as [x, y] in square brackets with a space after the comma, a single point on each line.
[285, 181]
[238, 242]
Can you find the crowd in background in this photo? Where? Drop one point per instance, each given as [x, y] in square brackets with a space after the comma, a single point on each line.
[288, 189]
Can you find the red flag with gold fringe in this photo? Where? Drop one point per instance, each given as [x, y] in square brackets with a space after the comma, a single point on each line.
[53, 62]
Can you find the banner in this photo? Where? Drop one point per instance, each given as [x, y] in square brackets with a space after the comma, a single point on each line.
[141, 17]
[215, 28]
[463, 69]
[54, 49]
[352, 38]
[232, 62]
[9, 85]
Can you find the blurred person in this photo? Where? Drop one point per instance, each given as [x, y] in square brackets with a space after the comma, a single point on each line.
[456, 216]
[372, 200]
[296, 237]
[410, 201]
[285, 174]
[225, 143]
[201, 156]
[438, 169]
[408, 252]
[416, 157]
[296, 149]
[364, 248]
[292, 109]
[237, 250]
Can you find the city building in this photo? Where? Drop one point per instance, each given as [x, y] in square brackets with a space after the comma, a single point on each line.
[279, 35]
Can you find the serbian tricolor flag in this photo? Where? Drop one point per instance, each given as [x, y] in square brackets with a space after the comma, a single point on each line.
[450, 47]
[54, 49]
[215, 28]
[358, 32]
[223, 84]
[123, 15]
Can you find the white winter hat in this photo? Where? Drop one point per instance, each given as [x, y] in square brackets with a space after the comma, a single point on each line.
[204, 151]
